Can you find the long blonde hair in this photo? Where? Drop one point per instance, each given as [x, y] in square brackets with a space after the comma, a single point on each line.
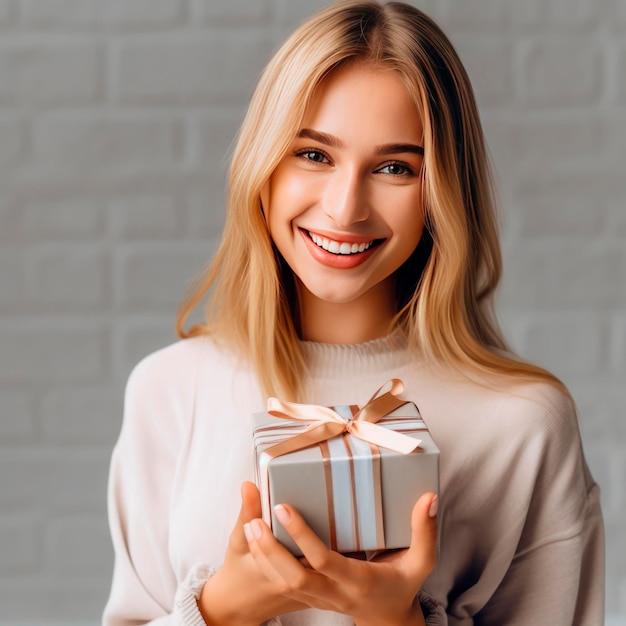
[445, 290]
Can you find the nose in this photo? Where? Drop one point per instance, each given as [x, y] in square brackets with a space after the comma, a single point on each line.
[345, 199]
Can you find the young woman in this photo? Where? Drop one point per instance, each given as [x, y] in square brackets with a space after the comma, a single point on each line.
[360, 245]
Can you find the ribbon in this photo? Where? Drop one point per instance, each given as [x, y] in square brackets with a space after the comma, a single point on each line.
[325, 423]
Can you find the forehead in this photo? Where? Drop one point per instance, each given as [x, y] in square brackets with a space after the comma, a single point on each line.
[359, 98]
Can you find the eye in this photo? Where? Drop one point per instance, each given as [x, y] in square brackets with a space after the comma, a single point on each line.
[315, 156]
[396, 168]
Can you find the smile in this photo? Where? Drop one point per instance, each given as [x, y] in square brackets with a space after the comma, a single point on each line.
[339, 247]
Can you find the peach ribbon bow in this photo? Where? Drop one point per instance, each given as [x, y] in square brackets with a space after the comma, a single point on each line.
[325, 423]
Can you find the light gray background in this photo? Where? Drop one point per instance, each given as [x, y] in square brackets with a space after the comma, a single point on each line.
[115, 116]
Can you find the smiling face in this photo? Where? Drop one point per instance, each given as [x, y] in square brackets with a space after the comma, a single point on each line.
[344, 206]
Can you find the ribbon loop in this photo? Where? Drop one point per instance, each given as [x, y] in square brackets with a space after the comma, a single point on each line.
[396, 386]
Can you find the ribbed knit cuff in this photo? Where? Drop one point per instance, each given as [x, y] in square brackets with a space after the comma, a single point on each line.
[434, 613]
[189, 591]
[187, 595]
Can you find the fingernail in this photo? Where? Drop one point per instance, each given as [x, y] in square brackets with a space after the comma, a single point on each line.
[257, 531]
[434, 506]
[283, 515]
[247, 531]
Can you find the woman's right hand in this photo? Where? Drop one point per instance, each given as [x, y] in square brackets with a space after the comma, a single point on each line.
[239, 594]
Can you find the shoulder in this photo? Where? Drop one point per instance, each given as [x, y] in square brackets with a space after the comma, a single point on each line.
[496, 412]
[162, 388]
[534, 397]
[535, 425]
[539, 416]
[542, 409]
[177, 365]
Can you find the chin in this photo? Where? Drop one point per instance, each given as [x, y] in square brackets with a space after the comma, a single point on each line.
[334, 295]
[335, 298]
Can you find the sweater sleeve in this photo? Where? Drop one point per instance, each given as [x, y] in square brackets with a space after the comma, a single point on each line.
[145, 589]
[556, 575]
[150, 452]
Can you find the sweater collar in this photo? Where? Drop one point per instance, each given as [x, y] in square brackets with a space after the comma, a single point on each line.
[330, 360]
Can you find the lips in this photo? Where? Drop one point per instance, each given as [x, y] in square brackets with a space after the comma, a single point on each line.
[322, 249]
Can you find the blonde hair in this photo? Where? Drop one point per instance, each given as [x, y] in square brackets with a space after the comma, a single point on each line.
[445, 290]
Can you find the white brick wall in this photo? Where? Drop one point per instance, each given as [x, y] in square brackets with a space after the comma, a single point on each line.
[115, 119]
[116, 14]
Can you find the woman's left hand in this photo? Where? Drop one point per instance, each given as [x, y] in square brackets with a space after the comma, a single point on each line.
[382, 592]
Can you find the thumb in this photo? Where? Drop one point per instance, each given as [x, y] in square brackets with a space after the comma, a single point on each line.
[422, 553]
[250, 501]
[250, 509]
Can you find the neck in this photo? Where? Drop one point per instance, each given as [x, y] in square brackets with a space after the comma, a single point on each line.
[364, 319]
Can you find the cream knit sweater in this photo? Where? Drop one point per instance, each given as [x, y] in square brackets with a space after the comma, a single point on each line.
[521, 534]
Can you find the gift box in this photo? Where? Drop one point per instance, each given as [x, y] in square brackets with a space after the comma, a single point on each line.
[353, 474]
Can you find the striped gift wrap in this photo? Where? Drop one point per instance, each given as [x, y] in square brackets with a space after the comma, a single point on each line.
[355, 495]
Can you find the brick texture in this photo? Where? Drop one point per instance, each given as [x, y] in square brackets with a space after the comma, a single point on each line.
[192, 69]
[119, 14]
[71, 546]
[20, 554]
[235, 12]
[619, 343]
[80, 416]
[141, 274]
[6, 11]
[11, 140]
[621, 74]
[555, 15]
[39, 220]
[292, 12]
[18, 421]
[490, 63]
[572, 208]
[562, 69]
[92, 143]
[136, 337]
[462, 16]
[50, 351]
[210, 138]
[116, 122]
[69, 280]
[554, 339]
[146, 217]
[538, 142]
[601, 268]
[28, 72]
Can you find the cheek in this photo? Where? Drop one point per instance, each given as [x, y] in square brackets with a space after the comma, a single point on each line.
[416, 222]
[290, 191]
[408, 218]
[284, 198]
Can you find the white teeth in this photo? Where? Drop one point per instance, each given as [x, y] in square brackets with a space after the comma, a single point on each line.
[334, 247]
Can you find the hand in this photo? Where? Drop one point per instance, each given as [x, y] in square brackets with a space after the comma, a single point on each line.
[239, 594]
[382, 592]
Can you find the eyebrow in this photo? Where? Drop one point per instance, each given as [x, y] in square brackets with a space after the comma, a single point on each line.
[399, 148]
[335, 142]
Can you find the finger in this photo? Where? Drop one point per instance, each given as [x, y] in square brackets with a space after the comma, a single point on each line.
[250, 509]
[422, 553]
[288, 576]
[314, 550]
